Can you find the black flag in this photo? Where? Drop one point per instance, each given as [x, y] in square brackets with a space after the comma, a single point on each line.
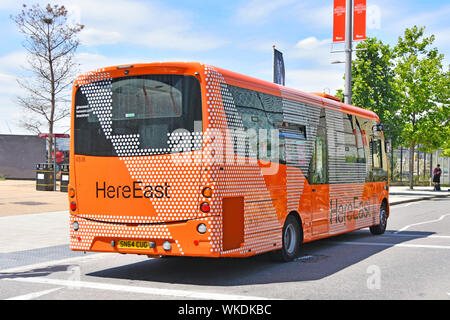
[278, 67]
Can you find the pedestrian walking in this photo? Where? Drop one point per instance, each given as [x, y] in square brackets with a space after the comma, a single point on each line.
[437, 178]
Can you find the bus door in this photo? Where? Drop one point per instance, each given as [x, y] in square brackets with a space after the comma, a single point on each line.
[318, 178]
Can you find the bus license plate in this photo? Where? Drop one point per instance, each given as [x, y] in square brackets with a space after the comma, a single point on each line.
[132, 244]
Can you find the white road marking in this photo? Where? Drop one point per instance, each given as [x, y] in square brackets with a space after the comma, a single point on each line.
[384, 244]
[135, 289]
[54, 262]
[33, 295]
[412, 235]
[394, 206]
[424, 222]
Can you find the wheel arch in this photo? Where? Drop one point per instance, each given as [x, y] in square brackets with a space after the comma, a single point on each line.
[386, 203]
[297, 216]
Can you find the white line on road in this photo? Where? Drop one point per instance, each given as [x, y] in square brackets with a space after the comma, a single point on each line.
[406, 205]
[134, 289]
[384, 244]
[54, 262]
[424, 222]
[33, 295]
[416, 235]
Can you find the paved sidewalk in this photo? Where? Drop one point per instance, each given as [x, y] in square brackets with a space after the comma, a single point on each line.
[403, 194]
[19, 197]
[32, 231]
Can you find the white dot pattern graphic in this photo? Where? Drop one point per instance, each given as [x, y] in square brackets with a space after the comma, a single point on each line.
[262, 228]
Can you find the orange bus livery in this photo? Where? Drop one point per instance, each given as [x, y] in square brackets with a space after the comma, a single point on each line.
[187, 159]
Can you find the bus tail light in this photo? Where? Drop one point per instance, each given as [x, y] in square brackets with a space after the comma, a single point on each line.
[205, 207]
[201, 228]
[207, 192]
[73, 206]
[71, 192]
[167, 245]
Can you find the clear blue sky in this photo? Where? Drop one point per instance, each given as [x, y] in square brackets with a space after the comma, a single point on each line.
[236, 35]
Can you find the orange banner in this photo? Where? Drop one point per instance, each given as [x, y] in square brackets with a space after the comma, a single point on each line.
[359, 17]
[339, 21]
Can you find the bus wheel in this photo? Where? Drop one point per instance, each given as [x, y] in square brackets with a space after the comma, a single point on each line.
[379, 229]
[291, 238]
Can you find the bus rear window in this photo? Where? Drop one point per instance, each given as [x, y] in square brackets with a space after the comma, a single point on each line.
[147, 108]
[144, 98]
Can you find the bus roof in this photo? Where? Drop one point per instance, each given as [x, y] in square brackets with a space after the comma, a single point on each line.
[237, 79]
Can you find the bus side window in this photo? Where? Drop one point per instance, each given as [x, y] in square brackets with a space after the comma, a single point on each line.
[379, 161]
[360, 141]
[376, 154]
[350, 147]
[259, 113]
[365, 125]
[318, 167]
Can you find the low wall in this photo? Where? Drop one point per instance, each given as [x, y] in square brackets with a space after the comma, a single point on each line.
[19, 155]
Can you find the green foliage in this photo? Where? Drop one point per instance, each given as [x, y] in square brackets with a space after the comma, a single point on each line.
[408, 87]
[423, 90]
[373, 84]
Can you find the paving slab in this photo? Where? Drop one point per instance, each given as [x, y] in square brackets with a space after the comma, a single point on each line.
[19, 197]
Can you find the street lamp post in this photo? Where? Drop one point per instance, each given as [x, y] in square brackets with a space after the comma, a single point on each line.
[348, 52]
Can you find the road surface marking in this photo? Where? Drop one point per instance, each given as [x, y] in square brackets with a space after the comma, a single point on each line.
[135, 289]
[54, 262]
[384, 244]
[424, 222]
[33, 295]
[417, 235]
[396, 206]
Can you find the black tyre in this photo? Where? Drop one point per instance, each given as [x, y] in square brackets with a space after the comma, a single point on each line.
[292, 237]
[381, 228]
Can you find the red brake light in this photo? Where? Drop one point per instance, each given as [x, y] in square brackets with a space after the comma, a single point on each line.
[205, 207]
[73, 206]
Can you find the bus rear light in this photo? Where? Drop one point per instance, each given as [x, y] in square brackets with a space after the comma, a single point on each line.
[73, 206]
[201, 228]
[204, 207]
[75, 226]
[166, 245]
[207, 192]
[71, 192]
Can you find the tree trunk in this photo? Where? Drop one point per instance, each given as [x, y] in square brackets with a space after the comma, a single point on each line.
[50, 146]
[52, 94]
[411, 164]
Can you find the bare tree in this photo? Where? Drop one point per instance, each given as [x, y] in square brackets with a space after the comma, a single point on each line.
[51, 44]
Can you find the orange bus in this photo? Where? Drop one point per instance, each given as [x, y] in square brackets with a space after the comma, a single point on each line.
[187, 159]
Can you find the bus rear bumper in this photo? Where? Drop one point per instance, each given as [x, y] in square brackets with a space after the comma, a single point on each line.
[173, 239]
